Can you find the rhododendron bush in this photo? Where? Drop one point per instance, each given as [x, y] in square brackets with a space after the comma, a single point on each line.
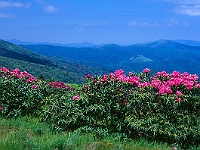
[23, 94]
[160, 107]
[164, 106]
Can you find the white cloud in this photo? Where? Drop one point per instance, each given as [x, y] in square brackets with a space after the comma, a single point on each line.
[5, 4]
[193, 10]
[172, 22]
[168, 23]
[4, 15]
[135, 23]
[48, 8]
[79, 29]
[186, 7]
[94, 24]
[184, 2]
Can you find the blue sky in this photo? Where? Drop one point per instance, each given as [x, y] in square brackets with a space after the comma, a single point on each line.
[99, 21]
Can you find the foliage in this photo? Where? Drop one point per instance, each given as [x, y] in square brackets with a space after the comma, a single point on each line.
[23, 94]
[163, 107]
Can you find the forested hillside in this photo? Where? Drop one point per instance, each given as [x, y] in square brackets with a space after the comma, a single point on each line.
[13, 56]
[158, 55]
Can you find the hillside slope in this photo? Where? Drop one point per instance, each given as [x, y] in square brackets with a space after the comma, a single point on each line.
[13, 56]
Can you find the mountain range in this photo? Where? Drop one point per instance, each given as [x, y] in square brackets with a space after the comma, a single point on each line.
[14, 56]
[71, 63]
[158, 55]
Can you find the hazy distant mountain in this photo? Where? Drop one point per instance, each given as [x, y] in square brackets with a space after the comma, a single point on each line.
[188, 42]
[157, 55]
[82, 44]
[13, 56]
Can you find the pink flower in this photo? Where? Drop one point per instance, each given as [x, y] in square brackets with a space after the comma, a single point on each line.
[4, 69]
[76, 97]
[179, 99]
[162, 73]
[144, 84]
[88, 76]
[165, 89]
[146, 70]
[31, 79]
[1, 108]
[105, 78]
[178, 93]
[175, 148]
[15, 71]
[119, 72]
[34, 86]
[198, 85]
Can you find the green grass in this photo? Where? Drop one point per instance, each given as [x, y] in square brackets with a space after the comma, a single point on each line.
[29, 133]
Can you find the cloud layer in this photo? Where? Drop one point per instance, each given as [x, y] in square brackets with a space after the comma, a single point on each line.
[187, 7]
[5, 4]
[47, 7]
[191, 10]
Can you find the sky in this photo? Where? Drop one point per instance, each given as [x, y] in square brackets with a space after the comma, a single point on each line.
[99, 21]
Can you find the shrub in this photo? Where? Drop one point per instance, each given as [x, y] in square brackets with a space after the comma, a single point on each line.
[162, 107]
[20, 93]
[61, 110]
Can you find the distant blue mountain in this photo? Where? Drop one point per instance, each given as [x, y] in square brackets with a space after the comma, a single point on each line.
[188, 42]
[157, 55]
[83, 44]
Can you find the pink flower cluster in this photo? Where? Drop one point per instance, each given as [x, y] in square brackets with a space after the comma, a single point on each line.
[76, 97]
[119, 75]
[162, 81]
[61, 85]
[17, 74]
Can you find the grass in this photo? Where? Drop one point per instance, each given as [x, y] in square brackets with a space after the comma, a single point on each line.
[29, 133]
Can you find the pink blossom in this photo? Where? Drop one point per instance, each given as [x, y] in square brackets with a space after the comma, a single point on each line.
[179, 99]
[4, 69]
[34, 86]
[156, 83]
[178, 93]
[176, 74]
[119, 72]
[130, 73]
[88, 76]
[144, 84]
[15, 71]
[31, 79]
[175, 148]
[162, 73]
[146, 70]
[198, 85]
[165, 89]
[76, 97]
[105, 78]
[1, 108]
[134, 80]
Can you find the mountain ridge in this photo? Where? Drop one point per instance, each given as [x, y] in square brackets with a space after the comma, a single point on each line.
[157, 55]
[15, 56]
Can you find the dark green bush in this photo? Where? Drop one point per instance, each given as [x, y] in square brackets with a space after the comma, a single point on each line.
[17, 97]
[141, 110]
[163, 107]
[62, 111]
